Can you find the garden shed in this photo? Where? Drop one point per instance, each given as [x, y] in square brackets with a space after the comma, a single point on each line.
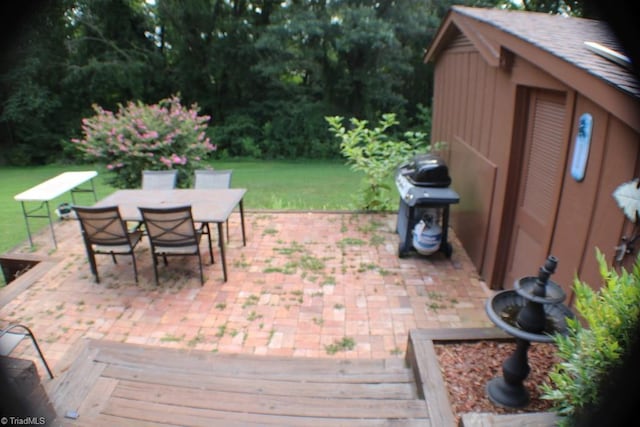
[541, 116]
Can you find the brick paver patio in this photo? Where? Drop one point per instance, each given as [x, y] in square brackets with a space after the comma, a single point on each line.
[307, 284]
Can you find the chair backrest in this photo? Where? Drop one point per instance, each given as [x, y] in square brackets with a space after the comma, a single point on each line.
[170, 227]
[102, 226]
[10, 337]
[159, 180]
[206, 178]
[9, 340]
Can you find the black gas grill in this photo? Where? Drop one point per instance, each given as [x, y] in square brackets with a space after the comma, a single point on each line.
[423, 183]
[426, 170]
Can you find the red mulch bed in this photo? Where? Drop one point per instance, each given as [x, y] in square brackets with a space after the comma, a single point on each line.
[468, 366]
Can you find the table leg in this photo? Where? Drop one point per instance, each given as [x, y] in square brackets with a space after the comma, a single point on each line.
[93, 189]
[84, 190]
[244, 238]
[55, 244]
[222, 254]
[26, 220]
[29, 214]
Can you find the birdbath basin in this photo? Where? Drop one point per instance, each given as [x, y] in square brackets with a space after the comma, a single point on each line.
[505, 306]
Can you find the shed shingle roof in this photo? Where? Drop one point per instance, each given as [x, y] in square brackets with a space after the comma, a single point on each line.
[563, 37]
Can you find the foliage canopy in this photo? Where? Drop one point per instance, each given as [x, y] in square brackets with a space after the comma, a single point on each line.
[267, 72]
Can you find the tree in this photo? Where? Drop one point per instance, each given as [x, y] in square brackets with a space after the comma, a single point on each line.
[111, 57]
[32, 111]
[568, 7]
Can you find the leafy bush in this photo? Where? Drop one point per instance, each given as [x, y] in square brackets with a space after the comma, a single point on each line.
[590, 352]
[154, 137]
[237, 137]
[296, 129]
[377, 154]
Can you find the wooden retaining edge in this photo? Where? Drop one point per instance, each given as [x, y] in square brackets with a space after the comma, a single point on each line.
[24, 281]
[421, 356]
[538, 419]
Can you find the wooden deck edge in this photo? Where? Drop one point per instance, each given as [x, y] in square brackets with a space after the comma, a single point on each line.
[24, 281]
[460, 334]
[421, 357]
[77, 373]
[538, 419]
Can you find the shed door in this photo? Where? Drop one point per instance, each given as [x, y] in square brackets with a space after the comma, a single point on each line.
[540, 181]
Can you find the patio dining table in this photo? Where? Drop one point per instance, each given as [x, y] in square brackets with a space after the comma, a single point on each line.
[207, 206]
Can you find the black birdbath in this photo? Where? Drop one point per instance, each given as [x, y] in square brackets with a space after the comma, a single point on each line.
[531, 312]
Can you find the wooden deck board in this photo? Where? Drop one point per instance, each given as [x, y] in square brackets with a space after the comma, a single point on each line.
[541, 419]
[255, 385]
[95, 400]
[319, 406]
[103, 420]
[185, 416]
[68, 392]
[123, 384]
[231, 364]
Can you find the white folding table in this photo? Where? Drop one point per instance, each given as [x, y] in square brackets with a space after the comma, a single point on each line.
[49, 190]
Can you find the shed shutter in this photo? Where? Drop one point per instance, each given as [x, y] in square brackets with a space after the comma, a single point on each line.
[541, 170]
[543, 160]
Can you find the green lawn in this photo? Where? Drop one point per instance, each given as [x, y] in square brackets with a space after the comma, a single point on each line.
[289, 185]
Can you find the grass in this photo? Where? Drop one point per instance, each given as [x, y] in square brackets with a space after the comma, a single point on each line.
[345, 344]
[280, 185]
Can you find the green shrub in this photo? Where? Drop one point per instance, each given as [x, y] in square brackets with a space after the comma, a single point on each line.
[296, 129]
[153, 137]
[237, 137]
[596, 345]
[377, 154]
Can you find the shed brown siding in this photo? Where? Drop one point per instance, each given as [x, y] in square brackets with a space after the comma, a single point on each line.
[480, 110]
[463, 115]
[464, 95]
[589, 217]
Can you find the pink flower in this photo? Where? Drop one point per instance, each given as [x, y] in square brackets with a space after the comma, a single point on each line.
[178, 160]
[209, 146]
[165, 161]
[150, 135]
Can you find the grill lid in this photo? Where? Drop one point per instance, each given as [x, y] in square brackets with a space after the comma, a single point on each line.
[427, 170]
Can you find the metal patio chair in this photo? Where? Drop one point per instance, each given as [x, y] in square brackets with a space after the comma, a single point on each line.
[12, 335]
[172, 232]
[159, 180]
[212, 179]
[105, 233]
